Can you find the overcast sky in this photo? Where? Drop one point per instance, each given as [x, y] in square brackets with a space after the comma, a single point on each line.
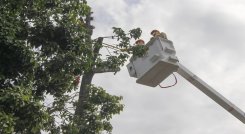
[209, 39]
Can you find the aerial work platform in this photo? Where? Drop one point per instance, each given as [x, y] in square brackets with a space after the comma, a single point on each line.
[160, 61]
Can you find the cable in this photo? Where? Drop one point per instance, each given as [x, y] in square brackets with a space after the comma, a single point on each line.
[176, 81]
[108, 51]
[111, 46]
[112, 37]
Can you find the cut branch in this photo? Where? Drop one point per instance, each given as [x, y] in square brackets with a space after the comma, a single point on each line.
[105, 70]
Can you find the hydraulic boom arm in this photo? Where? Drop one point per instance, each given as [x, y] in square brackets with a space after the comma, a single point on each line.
[210, 92]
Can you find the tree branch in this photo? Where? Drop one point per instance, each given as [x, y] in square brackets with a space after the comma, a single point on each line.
[97, 47]
[105, 70]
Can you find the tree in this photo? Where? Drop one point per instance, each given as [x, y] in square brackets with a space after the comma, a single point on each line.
[45, 46]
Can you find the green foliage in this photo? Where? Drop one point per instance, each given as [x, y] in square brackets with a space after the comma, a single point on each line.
[41, 44]
[19, 112]
[7, 123]
[135, 33]
[139, 50]
[120, 57]
[97, 113]
[44, 46]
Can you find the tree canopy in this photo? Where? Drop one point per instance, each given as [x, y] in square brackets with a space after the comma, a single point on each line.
[45, 47]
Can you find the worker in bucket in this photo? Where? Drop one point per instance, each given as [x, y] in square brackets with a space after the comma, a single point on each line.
[156, 33]
[140, 42]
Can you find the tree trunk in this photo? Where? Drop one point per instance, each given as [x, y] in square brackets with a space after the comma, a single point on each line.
[83, 93]
[87, 76]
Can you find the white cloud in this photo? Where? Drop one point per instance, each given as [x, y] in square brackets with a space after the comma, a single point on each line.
[208, 37]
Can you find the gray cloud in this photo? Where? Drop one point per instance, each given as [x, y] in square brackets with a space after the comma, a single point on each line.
[132, 2]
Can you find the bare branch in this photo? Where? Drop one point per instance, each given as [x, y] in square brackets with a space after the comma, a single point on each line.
[105, 70]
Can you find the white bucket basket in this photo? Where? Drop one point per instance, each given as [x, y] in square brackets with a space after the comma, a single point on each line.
[159, 62]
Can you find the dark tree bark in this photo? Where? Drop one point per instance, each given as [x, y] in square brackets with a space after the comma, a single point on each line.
[88, 76]
[83, 93]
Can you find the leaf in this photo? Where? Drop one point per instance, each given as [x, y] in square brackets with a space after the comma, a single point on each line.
[135, 33]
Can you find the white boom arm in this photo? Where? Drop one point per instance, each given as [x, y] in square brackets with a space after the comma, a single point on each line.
[210, 92]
